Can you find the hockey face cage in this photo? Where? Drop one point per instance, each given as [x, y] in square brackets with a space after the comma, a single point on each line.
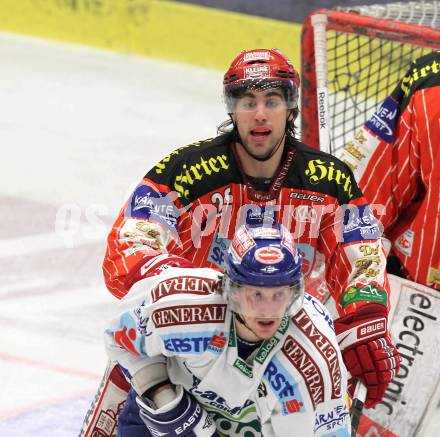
[260, 70]
[352, 60]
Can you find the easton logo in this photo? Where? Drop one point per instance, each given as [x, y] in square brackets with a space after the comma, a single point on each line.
[324, 347]
[188, 315]
[307, 367]
[184, 284]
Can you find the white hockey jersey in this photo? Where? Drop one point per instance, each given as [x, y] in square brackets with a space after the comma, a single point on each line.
[293, 385]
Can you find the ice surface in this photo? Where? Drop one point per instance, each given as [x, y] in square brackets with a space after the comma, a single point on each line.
[78, 129]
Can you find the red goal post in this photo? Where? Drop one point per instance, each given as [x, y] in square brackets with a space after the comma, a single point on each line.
[359, 61]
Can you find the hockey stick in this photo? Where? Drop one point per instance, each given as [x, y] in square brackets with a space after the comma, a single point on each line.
[357, 405]
[319, 23]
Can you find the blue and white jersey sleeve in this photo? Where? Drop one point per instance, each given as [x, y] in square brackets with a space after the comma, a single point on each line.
[157, 309]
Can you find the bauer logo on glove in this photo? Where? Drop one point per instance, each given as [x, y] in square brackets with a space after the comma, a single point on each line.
[367, 350]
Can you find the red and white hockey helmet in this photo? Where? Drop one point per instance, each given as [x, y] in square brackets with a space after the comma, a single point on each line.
[260, 69]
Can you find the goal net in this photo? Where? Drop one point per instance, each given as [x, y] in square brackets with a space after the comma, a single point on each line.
[362, 54]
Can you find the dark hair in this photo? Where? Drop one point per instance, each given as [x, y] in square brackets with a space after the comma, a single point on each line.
[228, 127]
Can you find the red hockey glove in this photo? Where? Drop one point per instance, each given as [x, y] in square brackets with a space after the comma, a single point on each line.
[367, 350]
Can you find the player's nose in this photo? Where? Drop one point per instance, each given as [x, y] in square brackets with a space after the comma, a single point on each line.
[260, 112]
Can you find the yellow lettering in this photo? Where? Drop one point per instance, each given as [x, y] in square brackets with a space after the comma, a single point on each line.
[330, 171]
[159, 167]
[312, 169]
[338, 177]
[371, 273]
[353, 150]
[197, 171]
[188, 177]
[361, 137]
[179, 188]
[435, 66]
[222, 159]
[405, 84]
[327, 171]
[362, 263]
[205, 167]
[415, 74]
[194, 169]
[347, 186]
[369, 250]
[212, 163]
[423, 71]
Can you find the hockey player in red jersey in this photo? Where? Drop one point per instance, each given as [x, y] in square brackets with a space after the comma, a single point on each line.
[396, 160]
[188, 206]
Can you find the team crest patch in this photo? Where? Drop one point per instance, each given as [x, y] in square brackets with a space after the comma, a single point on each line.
[360, 224]
[404, 243]
[260, 216]
[383, 121]
[148, 204]
[364, 293]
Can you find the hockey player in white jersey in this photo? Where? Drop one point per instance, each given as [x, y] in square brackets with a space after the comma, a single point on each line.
[248, 353]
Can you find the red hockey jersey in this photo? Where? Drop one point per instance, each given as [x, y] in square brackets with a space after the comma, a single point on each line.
[395, 158]
[191, 203]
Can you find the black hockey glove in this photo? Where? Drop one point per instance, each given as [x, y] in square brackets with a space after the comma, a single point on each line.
[184, 416]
